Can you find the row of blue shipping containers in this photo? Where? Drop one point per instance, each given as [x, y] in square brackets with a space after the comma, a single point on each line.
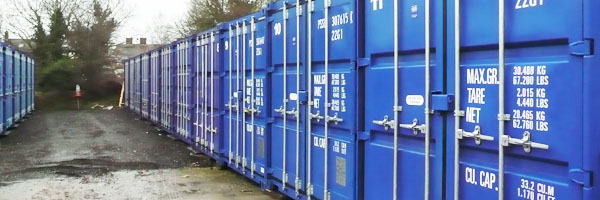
[409, 99]
[17, 91]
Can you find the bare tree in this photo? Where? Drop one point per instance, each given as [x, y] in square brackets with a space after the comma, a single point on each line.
[205, 14]
[162, 33]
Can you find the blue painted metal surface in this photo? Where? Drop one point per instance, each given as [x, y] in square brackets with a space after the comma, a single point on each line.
[207, 91]
[3, 62]
[287, 83]
[23, 89]
[246, 110]
[530, 92]
[16, 87]
[184, 61]
[145, 79]
[155, 86]
[400, 173]
[332, 155]
[359, 100]
[8, 89]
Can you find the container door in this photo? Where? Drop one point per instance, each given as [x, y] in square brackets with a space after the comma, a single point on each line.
[2, 88]
[184, 70]
[213, 99]
[231, 89]
[332, 96]
[153, 87]
[17, 88]
[518, 78]
[288, 84]
[403, 152]
[197, 95]
[256, 99]
[215, 95]
[24, 77]
[166, 89]
[145, 85]
[8, 98]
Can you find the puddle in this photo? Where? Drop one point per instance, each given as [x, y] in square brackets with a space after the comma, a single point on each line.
[186, 183]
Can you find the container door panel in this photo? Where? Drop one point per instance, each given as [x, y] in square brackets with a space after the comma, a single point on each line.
[539, 130]
[8, 82]
[333, 85]
[288, 85]
[231, 90]
[415, 168]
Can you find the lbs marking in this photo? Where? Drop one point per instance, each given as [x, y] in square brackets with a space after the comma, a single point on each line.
[528, 4]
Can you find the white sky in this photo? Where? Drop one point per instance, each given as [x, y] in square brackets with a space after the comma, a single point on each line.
[144, 17]
[147, 14]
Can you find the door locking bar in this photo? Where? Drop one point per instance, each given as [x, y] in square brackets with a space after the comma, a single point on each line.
[335, 119]
[253, 111]
[317, 116]
[280, 110]
[476, 134]
[386, 123]
[415, 127]
[525, 142]
[293, 112]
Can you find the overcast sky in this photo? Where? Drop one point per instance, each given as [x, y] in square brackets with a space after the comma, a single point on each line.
[147, 14]
[144, 16]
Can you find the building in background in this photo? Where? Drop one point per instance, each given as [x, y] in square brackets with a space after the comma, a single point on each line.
[126, 50]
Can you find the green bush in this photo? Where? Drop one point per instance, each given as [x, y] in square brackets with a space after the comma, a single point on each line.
[59, 76]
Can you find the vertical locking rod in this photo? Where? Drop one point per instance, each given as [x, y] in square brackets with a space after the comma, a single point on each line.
[310, 98]
[284, 175]
[237, 89]
[252, 102]
[501, 119]
[205, 90]
[325, 169]
[396, 82]
[198, 55]
[244, 96]
[228, 46]
[298, 13]
[212, 93]
[427, 89]
[457, 96]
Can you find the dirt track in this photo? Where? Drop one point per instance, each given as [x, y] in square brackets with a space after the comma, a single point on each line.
[98, 154]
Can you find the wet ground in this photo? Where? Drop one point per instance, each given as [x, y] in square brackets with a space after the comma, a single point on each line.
[99, 154]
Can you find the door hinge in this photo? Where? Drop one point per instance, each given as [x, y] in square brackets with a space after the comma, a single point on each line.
[364, 136]
[581, 177]
[582, 48]
[363, 62]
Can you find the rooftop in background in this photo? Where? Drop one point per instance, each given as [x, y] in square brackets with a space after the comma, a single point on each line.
[129, 49]
[20, 44]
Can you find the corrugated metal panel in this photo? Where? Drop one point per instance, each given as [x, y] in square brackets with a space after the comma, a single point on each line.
[333, 83]
[420, 110]
[17, 86]
[8, 83]
[155, 87]
[184, 83]
[145, 78]
[207, 85]
[287, 87]
[519, 77]
[167, 89]
[3, 62]
[400, 76]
